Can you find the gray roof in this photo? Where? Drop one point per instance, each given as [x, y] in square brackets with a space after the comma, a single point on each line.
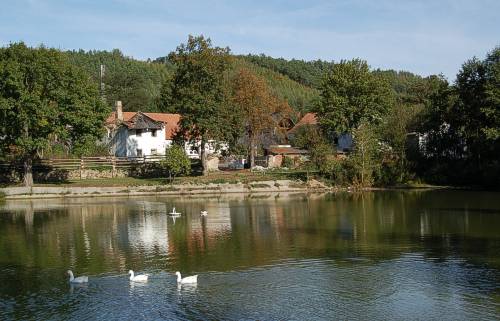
[142, 121]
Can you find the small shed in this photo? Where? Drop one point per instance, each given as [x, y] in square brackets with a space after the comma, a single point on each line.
[276, 154]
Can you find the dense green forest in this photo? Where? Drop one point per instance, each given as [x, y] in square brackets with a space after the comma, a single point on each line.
[137, 83]
[308, 73]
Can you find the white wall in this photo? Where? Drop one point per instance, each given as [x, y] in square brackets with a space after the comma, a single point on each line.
[126, 143]
[118, 141]
[146, 142]
[191, 148]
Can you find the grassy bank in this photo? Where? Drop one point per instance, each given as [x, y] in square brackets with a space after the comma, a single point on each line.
[221, 177]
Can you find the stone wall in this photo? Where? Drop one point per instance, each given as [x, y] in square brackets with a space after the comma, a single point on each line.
[96, 174]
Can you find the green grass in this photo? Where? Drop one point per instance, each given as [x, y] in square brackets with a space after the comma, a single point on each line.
[109, 182]
[222, 177]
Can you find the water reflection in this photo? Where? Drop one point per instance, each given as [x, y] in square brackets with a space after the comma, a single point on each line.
[365, 251]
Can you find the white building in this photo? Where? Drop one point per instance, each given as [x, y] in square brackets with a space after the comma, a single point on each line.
[136, 134]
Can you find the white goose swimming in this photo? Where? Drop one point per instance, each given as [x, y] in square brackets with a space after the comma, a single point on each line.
[80, 279]
[137, 278]
[174, 212]
[187, 280]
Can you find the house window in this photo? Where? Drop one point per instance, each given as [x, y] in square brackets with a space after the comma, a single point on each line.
[153, 151]
[153, 133]
[139, 152]
[138, 132]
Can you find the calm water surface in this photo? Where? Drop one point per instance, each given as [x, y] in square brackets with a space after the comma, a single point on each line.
[384, 255]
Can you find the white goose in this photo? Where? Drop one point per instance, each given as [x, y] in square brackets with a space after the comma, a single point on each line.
[137, 278]
[187, 280]
[204, 213]
[174, 212]
[80, 279]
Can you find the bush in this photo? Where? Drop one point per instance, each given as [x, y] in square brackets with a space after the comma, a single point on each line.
[147, 170]
[287, 162]
[340, 171]
[176, 162]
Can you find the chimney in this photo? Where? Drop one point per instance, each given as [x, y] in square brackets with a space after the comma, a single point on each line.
[119, 110]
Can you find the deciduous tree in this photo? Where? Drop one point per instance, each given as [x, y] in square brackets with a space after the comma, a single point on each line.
[365, 157]
[350, 95]
[44, 99]
[197, 91]
[257, 106]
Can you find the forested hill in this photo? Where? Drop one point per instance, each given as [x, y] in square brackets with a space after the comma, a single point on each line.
[137, 83]
[299, 96]
[308, 73]
[408, 87]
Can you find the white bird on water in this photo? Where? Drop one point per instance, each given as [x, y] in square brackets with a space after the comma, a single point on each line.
[137, 278]
[187, 280]
[80, 279]
[174, 212]
[204, 213]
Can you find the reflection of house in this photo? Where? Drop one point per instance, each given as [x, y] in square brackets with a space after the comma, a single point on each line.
[343, 142]
[135, 134]
[148, 232]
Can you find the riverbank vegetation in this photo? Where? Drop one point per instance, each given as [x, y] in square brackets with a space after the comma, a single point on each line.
[406, 128]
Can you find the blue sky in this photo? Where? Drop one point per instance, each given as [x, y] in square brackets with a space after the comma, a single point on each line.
[425, 37]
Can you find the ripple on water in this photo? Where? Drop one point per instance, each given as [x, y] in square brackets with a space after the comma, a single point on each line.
[310, 289]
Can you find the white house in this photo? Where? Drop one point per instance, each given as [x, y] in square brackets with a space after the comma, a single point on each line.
[136, 134]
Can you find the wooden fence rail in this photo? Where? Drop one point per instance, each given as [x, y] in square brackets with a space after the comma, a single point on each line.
[110, 162]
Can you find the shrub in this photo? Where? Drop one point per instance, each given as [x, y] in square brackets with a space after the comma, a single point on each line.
[340, 171]
[147, 170]
[176, 162]
[287, 162]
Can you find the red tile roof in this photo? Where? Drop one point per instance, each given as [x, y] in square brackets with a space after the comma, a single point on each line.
[308, 119]
[171, 121]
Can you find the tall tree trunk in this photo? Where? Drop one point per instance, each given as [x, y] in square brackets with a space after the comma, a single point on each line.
[252, 153]
[28, 162]
[203, 157]
[28, 171]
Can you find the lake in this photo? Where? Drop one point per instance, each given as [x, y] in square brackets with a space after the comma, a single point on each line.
[432, 255]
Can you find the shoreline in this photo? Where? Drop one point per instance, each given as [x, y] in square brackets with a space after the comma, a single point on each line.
[274, 186]
[270, 186]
